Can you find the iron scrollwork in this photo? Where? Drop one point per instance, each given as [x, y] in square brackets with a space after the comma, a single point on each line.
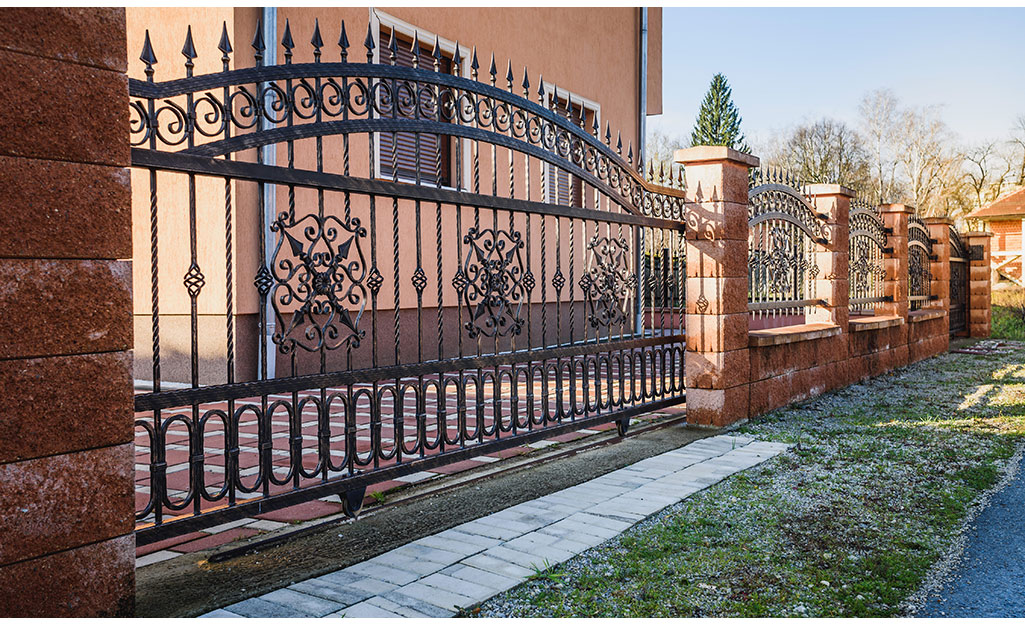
[608, 283]
[492, 282]
[326, 285]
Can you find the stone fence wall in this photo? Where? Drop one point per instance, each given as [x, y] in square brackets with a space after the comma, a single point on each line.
[735, 373]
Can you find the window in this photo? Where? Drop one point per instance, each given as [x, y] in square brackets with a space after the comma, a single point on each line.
[566, 189]
[401, 147]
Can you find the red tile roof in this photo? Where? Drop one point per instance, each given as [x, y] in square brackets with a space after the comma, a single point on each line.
[1012, 205]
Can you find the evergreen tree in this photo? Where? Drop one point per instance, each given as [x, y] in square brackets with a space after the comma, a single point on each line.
[718, 121]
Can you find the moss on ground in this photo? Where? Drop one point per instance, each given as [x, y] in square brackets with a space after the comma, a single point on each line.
[847, 523]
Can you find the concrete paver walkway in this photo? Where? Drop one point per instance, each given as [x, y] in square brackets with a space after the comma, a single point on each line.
[459, 567]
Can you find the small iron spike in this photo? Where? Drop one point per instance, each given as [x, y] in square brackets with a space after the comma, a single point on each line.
[526, 84]
[368, 43]
[437, 54]
[474, 65]
[619, 142]
[287, 43]
[661, 172]
[393, 48]
[457, 60]
[189, 51]
[608, 133]
[225, 46]
[343, 43]
[630, 154]
[509, 76]
[493, 70]
[316, 41]
[148, 57]
[595, 128]
[541, 89]
[414, 49]
[258, 44]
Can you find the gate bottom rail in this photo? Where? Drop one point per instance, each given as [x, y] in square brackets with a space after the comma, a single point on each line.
[152, 533]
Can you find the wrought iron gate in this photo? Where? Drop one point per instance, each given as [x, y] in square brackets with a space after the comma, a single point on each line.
[958, 283]
[359, 271]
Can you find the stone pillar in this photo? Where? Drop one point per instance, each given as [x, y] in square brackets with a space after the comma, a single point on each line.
[979, 286]
[718, 364]
[833, 258]
[895, 283]
[66, 456]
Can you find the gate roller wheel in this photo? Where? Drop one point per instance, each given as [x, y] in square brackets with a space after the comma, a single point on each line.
[622, 426]
[352, 501]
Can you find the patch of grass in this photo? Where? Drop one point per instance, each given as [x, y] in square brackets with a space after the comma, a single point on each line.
[1008, 321]
[848, 523]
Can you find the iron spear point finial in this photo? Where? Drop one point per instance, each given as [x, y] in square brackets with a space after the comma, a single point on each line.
[493, 70]
[343, 43]
[368, 43]
[541, 88]
[595, 128]
[258, 44]
[509, 75]
[619, 142]
[608, 133]
[225, 44]
[414, 49]
[393, 48]
[436, 53]
[457, 60]
[189, 51]
[316, 41]
[148, 57]
[526, 84]
[287, 43]
[474, 65]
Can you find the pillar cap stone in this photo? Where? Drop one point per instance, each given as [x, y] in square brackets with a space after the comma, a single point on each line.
[821, 188]
[896, 208]
[947, 221]
[977, 233]
[711, 153]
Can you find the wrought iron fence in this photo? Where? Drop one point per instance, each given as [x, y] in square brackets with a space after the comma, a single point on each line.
[920, 254]
[359, 270]
[785, 235]
[867, 237]
[959, 257]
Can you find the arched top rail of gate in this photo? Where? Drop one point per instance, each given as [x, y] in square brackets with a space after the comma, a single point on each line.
[785, 233]
[216, 115]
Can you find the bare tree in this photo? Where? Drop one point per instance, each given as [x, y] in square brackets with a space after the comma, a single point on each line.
[879, 112]
[1016, 152]
[826, 150]
[660, 147]
[986, 172]
[925, 160]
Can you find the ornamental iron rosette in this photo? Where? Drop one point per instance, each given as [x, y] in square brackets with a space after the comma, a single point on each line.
[784, 261]
[319, 266]
[608, 284]
[492, 282]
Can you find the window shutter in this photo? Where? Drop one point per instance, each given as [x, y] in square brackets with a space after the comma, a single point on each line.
[400, 148]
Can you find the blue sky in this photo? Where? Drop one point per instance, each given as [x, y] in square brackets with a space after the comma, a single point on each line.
[788, 65]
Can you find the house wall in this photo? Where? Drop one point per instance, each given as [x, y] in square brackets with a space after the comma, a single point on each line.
[1007, 237]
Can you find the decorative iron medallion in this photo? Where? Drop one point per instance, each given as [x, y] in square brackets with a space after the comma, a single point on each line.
[492, 282]
[318, 269]
[608, 283]
[784, 262]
